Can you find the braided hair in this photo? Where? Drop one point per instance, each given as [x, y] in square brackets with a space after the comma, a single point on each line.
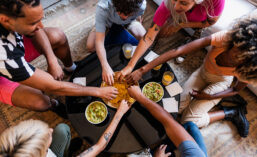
[244, 37]
[127, 6]
[13, 8]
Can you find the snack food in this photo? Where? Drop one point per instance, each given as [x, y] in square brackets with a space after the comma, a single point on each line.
[122, 87]
[96, 112]
[153, 91]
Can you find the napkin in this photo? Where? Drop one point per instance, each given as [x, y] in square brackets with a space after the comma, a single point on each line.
[80, 81]
[174, 89]
[170, 104]
[151, 56]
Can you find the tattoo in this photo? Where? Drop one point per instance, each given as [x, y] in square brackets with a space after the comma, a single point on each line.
[156, 29]
[86, 152]
[107, 136]
[145, 36]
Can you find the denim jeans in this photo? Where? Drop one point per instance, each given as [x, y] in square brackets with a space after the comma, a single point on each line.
[61, 140]
[194, 131]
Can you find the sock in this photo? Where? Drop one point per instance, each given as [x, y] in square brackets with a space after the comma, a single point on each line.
[71, 68]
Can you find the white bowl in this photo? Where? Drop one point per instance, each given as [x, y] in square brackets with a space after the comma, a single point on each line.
[161, 90]
[92, 103]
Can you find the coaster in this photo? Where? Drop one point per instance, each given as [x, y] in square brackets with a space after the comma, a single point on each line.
[80, 81]
[174, 89]
[170, 104]
[150, 56]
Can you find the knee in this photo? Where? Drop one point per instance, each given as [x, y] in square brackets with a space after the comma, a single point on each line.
[199, 120]
[63, 130]
[56, 37]
[90, 46]
[41, 104]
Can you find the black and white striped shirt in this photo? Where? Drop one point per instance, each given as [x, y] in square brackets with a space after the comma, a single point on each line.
[13, 66]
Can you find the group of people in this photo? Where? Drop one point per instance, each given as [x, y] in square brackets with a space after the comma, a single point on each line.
[228, 67]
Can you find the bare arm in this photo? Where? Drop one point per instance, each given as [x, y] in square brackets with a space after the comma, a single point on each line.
[107, 73]
[210, 21]
[143, 45]
[238, 86]
[44, 81]
[108, 133]
[174, 130]
[185, 49]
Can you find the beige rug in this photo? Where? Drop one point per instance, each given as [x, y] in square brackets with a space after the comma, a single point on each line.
[76, 19]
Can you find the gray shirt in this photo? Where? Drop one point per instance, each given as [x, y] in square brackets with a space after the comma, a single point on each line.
[106, 15]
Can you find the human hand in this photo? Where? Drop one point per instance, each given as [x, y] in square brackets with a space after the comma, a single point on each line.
[124, 72]
[124, 107]
[55, 70]
[200, 95]
[107, 75]
[108, 93]
[134, 91]
[134, 76]
[160, 152]
[168, 30]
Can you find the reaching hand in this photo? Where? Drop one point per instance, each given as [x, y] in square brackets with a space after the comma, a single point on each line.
[134, 76]
[160, 152]
[134, 91]
[108, 93]
[56, 71]
[124, 107]
[200, 95]
[107, 75]
[124, 72]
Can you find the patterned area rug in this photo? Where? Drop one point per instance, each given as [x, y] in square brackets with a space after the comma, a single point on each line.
[221, 138]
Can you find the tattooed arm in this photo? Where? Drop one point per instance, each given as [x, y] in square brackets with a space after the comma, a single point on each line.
[143, 45]
[107, 135]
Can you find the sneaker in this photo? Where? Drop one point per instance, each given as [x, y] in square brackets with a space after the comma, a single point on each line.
[75, 145]
[59, 108]
[237, 116]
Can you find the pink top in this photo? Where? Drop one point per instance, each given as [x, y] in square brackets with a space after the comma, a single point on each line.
[219, 42]
[198, 14]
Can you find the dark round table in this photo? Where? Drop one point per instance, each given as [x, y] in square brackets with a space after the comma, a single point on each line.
[138, 129]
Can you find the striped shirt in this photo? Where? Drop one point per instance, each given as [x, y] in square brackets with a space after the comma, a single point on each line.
[13, 66]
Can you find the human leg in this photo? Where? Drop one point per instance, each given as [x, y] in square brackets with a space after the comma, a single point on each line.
[91, 41]
[195, 81]
[197, 110]
[137, 29]
[194, 131]
[61, 140]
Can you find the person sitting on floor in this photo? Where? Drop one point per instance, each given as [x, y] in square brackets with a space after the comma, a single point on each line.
[183, 14]
[34, 138]
[233, 57]
[18, 79]
[176, 133]
[110, 12]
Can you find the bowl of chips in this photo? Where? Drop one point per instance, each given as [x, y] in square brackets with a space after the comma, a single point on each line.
[122, 87]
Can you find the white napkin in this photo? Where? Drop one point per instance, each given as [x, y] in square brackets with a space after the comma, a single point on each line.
[151, 56]
[174, 89]
[170, 104]
[80, 81]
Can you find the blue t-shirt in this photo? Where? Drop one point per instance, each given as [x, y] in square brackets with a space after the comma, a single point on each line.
[106, 15]
[190, 149]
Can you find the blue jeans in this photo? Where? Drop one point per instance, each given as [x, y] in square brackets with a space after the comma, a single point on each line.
[61, 140]
[118, 35]
[194, 131]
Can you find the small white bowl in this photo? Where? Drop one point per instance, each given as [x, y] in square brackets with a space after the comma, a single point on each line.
[155, 83]
[92, 103]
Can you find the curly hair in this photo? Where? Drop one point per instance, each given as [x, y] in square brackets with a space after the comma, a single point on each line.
[127, 6]
[13, 8]
[27, 139]
[244, 37]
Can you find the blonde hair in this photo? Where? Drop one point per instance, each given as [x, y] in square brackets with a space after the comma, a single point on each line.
[181, 18]
[27, 139]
